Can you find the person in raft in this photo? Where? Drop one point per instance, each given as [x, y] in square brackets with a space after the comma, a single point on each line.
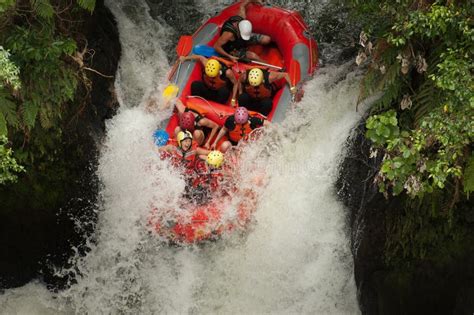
[194, 123]
[237, 127]
[184, 154]
[236, 35]
[210, 176]
[259, 87]
[217, 80]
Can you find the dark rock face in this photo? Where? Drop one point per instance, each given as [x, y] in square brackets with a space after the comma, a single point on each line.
[424, 287]
[32, 240]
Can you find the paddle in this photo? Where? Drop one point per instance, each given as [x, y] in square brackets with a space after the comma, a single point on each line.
[295, 75]
[294, 72]
[184, 47]
[204, 50]
[208, 51]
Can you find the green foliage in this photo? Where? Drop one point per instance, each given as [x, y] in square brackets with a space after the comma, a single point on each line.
[469, 176]
[39, 80]
[5, 5]
[419, 56]
[43, 8]
[9, 72]
[421, 160]
[383, 127]
[423, 232]
[50, 81]
[434, 98]
[88, 5]
[8, 165]
[8, 114]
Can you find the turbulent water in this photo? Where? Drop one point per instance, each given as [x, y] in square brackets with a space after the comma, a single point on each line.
[294, 258]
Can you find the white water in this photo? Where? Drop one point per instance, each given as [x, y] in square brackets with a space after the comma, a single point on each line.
[295, 258]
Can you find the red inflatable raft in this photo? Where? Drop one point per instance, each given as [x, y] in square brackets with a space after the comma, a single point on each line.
[295, 51]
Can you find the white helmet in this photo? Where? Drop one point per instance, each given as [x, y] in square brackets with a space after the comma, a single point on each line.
[245, 28]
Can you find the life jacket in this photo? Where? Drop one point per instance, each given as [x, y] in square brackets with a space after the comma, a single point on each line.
[240, 132]
[186, 159]
[197, 118]
[218, 82]
[210, 179]
[264, 90]
[228, 26]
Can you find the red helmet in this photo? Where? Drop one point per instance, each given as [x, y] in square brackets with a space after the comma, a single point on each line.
[186, 121]
[241, 115]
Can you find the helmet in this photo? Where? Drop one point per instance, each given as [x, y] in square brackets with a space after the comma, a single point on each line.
[245, 28]
[212, 68]
[186, 121]
[160, 137]
[241, 115]
[255, 76]
[182, 135]
[215, 158]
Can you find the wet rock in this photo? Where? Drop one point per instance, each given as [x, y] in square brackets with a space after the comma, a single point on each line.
[436, 286]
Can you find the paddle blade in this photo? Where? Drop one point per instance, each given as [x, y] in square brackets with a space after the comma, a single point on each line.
[170, 92]
[204, 50]
[160, 137]
[294, 72]
[184, 45]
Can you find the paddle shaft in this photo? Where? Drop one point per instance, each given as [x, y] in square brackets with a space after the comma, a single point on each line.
[260, 63]
[177, 73]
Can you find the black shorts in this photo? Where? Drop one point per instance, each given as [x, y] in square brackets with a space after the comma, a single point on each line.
[242, 53]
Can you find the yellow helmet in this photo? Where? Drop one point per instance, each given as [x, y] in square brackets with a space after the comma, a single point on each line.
[215, 158]
[255, 76]
[182, 135]
[212, 68]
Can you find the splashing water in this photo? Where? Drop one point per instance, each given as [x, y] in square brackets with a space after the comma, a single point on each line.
[294, 258]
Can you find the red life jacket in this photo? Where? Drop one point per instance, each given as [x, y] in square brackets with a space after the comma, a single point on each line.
[186, 159]
[210, 179]
[264, 90]
[218, 82]
[240, 132]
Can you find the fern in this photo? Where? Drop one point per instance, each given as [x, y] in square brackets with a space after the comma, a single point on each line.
[390, 94]
[30, 111]
[3, 125]
[366, 88]
[388, 83]
[43, 8]
[8, 109]
[424, 100]
[46, 116]
[468, 182]
[88, 5]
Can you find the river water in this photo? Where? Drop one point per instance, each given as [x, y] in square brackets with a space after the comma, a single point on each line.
[294, 258]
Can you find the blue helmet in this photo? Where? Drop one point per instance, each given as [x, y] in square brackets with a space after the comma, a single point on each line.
[160, 137]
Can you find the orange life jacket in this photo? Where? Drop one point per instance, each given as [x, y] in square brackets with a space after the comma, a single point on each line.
[218, 82]
[264, 90]
[240, 132]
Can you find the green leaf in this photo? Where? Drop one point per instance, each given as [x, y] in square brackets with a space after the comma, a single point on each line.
[89, 5]
[43, 8]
